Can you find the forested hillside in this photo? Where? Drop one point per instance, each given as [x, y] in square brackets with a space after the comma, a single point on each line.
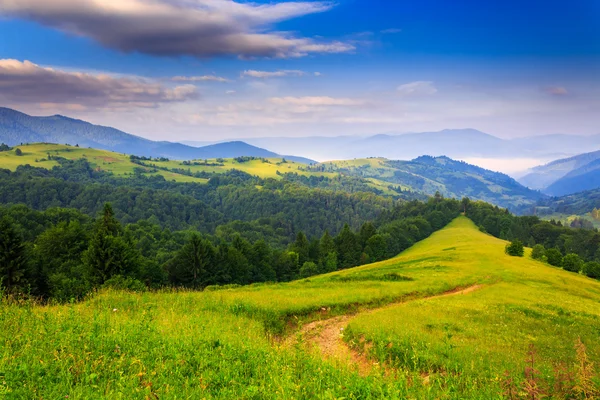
[439, 174]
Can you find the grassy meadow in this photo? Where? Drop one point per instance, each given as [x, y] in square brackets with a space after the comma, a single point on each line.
[231, 343]
[120, 165]
[36, 155]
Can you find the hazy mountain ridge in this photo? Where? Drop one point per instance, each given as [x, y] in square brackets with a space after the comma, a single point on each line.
[17, 127]
[454, 143]
[545, 175]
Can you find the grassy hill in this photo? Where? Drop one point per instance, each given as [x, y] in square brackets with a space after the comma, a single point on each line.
[429, 175]
[39, 155]
[251, 342]
[120, 164]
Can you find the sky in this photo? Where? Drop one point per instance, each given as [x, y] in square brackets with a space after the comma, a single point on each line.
[212, 70]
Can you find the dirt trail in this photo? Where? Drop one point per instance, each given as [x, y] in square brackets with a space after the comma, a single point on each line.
[326, 335]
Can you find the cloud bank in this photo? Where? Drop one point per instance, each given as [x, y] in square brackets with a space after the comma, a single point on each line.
[199, 28]
[27, 83]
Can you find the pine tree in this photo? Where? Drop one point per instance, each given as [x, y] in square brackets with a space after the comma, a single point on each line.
[111, 251]
[367, 230]
[348, 248]
[13, 260]
[302, 247]
[191, 265]
[327, 244]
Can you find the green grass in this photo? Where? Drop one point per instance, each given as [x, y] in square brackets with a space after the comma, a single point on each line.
[120, 165]
[477, 336]
[36, 155]
[225, 343]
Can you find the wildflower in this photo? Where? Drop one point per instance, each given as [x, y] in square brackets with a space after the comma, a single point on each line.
[114, 310]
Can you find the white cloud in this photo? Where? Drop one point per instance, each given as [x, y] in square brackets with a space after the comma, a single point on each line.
[271, 74]
[418, 88]
[315, 101]
[26, 83]
[391, 31]
[200, 28]
[204, 78]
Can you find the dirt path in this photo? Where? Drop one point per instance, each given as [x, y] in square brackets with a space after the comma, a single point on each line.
[326, 336]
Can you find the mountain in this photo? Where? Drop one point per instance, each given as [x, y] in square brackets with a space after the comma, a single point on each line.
[17, 127]
[449, 177]
[544, 176]
[581, 179]
[454, 143]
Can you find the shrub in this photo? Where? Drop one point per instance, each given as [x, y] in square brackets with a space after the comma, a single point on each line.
[538, 252]
[309, 269]
[121, 282]
[18, 152]
[515, 248]
[572, 262]
[592, 269]
[555, 257]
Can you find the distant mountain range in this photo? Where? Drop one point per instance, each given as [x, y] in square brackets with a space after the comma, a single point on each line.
[566, 176]
[454, 143]
[17, 127]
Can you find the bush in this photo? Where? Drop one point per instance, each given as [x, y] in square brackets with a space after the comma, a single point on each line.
[555, 257]
[572, 262]
[592, 269]
[120, 282]
[538, 252]
[18, 152]
[515, 249]
[309, 269]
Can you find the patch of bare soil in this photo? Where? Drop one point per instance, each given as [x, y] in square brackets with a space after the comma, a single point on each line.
[327, 336]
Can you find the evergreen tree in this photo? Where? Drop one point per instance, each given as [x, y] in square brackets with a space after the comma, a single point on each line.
[367, 230]
[378, 247]
[13, 260]
[191, 265]
[111, 251]
[327, 244]
[260, 259]
[302, 247]
[348, 248]
[515, 248]
[330, 263]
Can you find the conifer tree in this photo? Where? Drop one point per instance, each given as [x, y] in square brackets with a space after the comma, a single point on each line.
[348, 248]
[111, 251]
[13, 260]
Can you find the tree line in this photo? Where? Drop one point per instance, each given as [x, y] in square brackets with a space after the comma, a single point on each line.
[63, 254]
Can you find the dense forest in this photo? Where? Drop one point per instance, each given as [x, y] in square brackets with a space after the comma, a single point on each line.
[67, 231]
[64, 254]
[279, 206]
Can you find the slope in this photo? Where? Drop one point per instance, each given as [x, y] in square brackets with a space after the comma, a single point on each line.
[212, 344]
[545, 175]
[581, 179]
[486, 332]
[439, 174]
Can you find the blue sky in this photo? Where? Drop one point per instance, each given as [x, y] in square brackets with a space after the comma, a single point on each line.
[218, 69]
